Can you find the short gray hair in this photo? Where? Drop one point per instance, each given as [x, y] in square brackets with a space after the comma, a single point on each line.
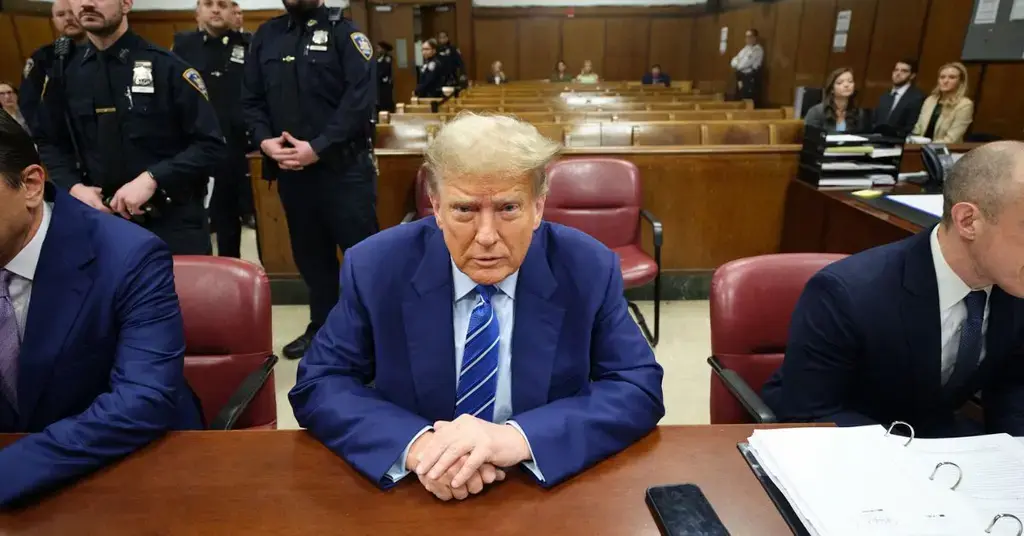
[983, 177]
[490, 145]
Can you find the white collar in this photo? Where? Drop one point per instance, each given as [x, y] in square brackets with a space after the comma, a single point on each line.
[464, 285]
[952, 289]
[25, 262]
[900, 91]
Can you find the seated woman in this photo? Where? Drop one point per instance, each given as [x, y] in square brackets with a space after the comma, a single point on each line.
[837, 111]
[587, 75]
[561, 73]
[947, 112]
[656, 78]
[9, 103]
[497, 76]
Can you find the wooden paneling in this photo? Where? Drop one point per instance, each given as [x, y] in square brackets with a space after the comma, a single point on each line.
[943, 42]
[816, 27]
[11, 59]
[704, 53]
[671, 40]
[1000, 108]
[496, 39]
[540, 44]
[584, 39]
[738, 21]
[32, 31]
[464, 28]
[899, 27]
[159, 32]
[626, 56]
[859, 42]
[437, 19]
[782, 51]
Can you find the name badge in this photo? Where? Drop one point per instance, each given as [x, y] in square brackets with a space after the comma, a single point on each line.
[318, 48]
[320, 38]
[142, 77]
[238, 54]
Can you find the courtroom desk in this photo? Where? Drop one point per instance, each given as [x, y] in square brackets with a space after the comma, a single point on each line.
[281, 483]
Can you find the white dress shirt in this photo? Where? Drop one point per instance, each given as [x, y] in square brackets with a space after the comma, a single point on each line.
[503, 302]
[748, 59]
[23, 268]
[952, 309]
[900, 92]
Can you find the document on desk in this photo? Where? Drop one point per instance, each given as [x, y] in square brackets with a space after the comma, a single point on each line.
[860, 482]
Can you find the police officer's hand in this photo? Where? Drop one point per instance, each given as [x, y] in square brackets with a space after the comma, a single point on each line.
[90, 195]
[304, 153]
[129, 198]
[275, 148]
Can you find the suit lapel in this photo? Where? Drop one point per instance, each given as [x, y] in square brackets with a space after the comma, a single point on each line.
[430, 337]
[919, 311]
[538, 324]
[887, 111]
[59, 288]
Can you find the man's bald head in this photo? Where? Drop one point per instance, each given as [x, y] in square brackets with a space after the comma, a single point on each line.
[985, 177]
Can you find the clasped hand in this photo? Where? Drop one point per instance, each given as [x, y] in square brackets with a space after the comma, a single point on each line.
[460, 457]
[289, 152]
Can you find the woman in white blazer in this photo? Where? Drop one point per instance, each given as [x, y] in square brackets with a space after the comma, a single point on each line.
[947, 112]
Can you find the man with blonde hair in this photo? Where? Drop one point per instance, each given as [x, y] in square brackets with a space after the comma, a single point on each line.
[480, 338]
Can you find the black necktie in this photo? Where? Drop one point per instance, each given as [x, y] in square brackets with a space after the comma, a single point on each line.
[108, 129]
[292, 43]
[968, 354]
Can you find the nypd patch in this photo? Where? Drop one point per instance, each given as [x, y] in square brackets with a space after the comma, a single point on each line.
[195, 80]
[29, 64]
[363, 45]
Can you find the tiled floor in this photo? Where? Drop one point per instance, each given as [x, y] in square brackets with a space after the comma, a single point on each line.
[685, 344]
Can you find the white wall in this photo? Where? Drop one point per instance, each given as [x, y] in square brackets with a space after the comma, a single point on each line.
[566, 3]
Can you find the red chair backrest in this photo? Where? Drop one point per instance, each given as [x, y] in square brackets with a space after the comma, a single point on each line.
[423, 206]
[752, 301]
[225, 304]
[599, 196]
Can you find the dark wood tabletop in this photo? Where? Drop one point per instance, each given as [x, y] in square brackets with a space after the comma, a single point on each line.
[286, 483]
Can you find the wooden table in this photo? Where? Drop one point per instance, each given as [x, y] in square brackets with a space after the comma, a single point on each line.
[285, 483]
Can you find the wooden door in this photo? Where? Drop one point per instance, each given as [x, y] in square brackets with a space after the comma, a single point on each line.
[394, 24]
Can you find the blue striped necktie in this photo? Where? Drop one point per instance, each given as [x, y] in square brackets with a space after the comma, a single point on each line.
[968, 353]
[478, 376]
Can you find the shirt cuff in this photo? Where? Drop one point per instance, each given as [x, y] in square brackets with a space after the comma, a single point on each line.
[532, 464]
[398, 470]
[319, 143]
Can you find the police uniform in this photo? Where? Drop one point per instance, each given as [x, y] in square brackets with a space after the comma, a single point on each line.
[133, 108]
[36, 75]
[221, 62]
[451, 62]
[385, 84]
[314, 76]
[431, 79]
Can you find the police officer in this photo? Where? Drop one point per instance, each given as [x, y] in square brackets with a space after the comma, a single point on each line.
[309, 98]
[431, 73]
[451, 60]
[38, 66]
[145, 132]
[219, 54]
[385, 80]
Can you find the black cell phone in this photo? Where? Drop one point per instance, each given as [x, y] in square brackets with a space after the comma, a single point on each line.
[683, 510]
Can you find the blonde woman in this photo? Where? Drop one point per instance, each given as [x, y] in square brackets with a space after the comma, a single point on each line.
[947, 112]
[587, 75]
[497, 74]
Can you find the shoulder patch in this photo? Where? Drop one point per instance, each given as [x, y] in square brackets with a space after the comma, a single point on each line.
[431, 65]
[362, 44]
[29, 64]
[195, 80]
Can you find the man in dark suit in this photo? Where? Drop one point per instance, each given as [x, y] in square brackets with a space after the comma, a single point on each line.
[91, 336]
[480, 338]
[910, 330]
[901, 105]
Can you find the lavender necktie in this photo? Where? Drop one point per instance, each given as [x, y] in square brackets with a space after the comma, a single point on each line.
[10, 342]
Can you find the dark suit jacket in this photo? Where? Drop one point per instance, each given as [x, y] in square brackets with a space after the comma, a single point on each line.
[585, 384]
[101, 366]
[864, 347]
[904, 116]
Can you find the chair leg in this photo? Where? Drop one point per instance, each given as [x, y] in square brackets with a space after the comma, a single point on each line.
[642, 322]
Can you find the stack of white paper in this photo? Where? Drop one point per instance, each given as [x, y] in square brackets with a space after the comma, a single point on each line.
[858, 482]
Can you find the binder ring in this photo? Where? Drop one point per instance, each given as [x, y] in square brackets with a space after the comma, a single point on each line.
[893, 425]
[1020, 526]
[959, 476]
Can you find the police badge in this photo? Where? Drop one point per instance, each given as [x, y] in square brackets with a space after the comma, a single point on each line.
[320, 38]
[142, 77]
[238, 54]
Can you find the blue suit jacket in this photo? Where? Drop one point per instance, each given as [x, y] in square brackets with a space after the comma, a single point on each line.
[584, 380]
[101, 362]
[864, 348]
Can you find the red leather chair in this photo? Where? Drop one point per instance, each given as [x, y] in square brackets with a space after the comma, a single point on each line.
[601, 197]
[752, 301]
[423, 206]
[229, 348]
